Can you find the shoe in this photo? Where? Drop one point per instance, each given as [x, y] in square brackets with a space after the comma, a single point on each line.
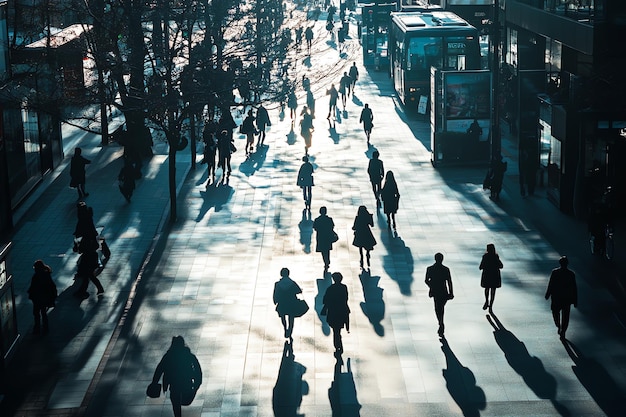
[485, 306]
[100, 292]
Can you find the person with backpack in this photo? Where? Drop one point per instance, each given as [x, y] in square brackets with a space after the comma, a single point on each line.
[181, 373]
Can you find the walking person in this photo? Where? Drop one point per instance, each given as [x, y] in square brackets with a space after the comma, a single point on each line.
[390, 196]
[88, 267]
[226, 147]
[305, 181]
[126, 179]
[43, 293]
[77, 172]
[209, 153]
[439, 282]
[367, 118]
[181, 374]
[292, 103]
[563, 291]
[248, 128]
[287, 302]
[344, 87]
[262, 121]
[354, 76]
[336, 310]
[497, 170]
[332, 101]
[325, 235]
[490, 278]
[306, 128]
[363, 237]
[376, 172]
[308, 35]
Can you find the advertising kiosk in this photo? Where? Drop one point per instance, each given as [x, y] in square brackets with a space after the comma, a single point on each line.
[460, 117]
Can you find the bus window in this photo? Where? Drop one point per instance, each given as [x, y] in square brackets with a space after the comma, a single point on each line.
[424, 52]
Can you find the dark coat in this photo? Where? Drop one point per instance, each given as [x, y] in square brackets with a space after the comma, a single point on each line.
[562, 288]
[285, 292]
[376, 171]
[180, 369]
[85, 227]
[262, 118]
[363, 237]
[42, 290]
[439, 281]
[390, 196]
[324, 226]
[77, 170]
[490, 265]
[367, 118]
[336, 305]
[305, 175]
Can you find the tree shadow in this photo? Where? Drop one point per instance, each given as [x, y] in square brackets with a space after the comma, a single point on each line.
[398, 263]
[254, 161]
[602, 387]
[289, 388]
[374, 305]
[342, 392]
[215, 196]
[306, 230]
[461, 384]
[322, 286]
[530, 368]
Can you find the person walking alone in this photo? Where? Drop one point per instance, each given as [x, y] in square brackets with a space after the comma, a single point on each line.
[336, 310]
[286, 300]
[376, 172]
[306, 128]
[262, 121]
[332, 101]
[363, 237]
[181, 372]
[248, 128]
[325, 236]
[490, 278]
[439, 282]
[126, 179]
[308, 35]
[77, 172]
[354, 76]
[367, 118]
[344, 88]
[43, 293]
[390, 196]
[305, 181]
[563, 291]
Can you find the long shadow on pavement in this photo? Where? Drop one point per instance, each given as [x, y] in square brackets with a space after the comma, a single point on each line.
[290, 387]
[398, 263]
[461, 384]
[530, 368]
[342, 392]
[374, 306]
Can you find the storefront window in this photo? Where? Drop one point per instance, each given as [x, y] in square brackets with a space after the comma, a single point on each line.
[554, 164]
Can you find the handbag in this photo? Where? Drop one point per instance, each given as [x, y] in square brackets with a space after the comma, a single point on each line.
[335, 237]
[300, 307]
[153, 390]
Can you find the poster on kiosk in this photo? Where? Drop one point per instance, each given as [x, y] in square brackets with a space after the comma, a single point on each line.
[460, 117]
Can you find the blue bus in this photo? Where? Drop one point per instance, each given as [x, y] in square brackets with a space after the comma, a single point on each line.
[421, 40]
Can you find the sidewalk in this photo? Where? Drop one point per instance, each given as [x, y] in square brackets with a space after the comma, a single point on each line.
[49, 375]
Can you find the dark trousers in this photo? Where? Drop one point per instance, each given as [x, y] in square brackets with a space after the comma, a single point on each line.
[40, 313]
[84, 283]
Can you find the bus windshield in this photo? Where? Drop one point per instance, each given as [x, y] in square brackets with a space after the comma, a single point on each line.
[424, 53]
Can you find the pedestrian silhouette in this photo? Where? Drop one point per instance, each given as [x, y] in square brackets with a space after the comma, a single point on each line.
[474, 132]
[43, 293]
[306, 128]
[496, 177]
[363, 237]
[308, 35]
[344, 88]
[390, 196]
[325, 235]
[354, 76]
[292, 103]
[332, 101]
[305, 181]
[563, 291]
[126, 179]
[209, 154]
[439, 282]
[262, 121]
[248, 128]
[77, 172]
[181, 373]
[288, 305]
[226, 147]
[376, 172]
[88, 269]
[336, 310]
[490, 278]
[85, 228]
[367, 119]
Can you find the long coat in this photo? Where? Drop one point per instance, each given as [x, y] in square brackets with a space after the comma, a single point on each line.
[285, 291]
[363, 237]
[390, 196]
[336, 304]
[490, 265]
[305, 175]
[42, 290]
[562, 288]
[77, 170]
[324, 226]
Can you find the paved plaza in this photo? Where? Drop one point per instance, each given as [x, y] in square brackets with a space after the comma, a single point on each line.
[209, 277]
